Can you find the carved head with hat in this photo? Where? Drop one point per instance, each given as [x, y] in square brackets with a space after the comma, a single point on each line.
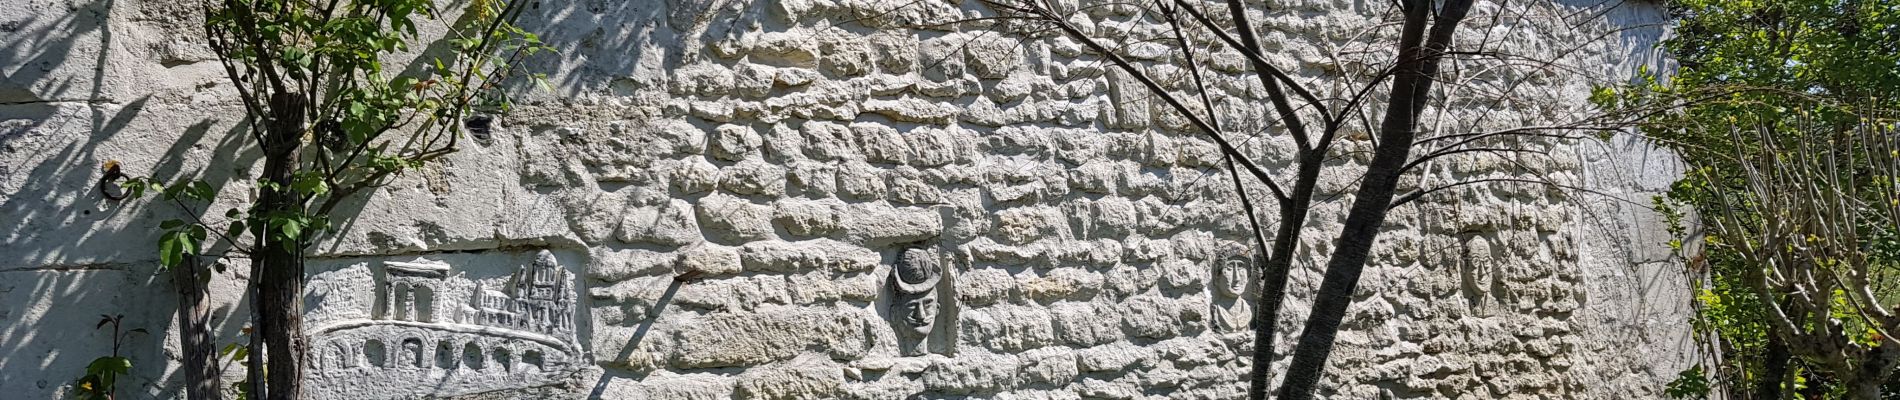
[914, 282]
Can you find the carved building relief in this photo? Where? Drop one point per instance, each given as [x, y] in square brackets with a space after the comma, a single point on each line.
[424, 338]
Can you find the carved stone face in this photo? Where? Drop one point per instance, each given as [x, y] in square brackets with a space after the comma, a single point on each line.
[914, 280]
[920, 312]
[1231, 277]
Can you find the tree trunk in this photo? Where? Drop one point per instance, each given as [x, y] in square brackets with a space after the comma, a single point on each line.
[194, 332]
[1266, 316]
[254, 363]
[1412, 82]
[280, 295]
[280, 288]
[1863, 390]
[1774, 370]
[1866, 381]
[1273, 274]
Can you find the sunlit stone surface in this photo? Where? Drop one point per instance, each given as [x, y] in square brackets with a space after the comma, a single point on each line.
[786, 152]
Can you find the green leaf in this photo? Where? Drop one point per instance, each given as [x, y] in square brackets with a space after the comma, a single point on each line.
[171, 248]
[109, 365]
[1603, 96]
[234, 230]
[291, 229]
[402, 83]
[174, 192]
[202, 190]
[228, 349]
[309, 185]
[135, 187]
[296, 56]
[197, 234]
[1689, 383]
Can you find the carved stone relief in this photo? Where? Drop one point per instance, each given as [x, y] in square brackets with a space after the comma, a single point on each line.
[1231, 312]
[1230, 278]
[1478, 280]
[914, 303]
[459, 335]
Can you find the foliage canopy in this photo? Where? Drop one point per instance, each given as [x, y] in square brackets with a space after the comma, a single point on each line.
[1792, 170]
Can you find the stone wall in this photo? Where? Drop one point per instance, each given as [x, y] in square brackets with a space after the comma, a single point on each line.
[797, 160]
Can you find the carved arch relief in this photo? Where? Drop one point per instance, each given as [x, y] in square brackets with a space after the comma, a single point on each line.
[504, 359]
[399, 304]
[413, 353]
[533, 358]
[376, 353]
[339, 355]
[472, 356]
[425, 303]
[445, 356]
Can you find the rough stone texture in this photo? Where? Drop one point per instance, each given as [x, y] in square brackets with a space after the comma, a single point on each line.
[670, 224]
[787, 157]
[814, 379]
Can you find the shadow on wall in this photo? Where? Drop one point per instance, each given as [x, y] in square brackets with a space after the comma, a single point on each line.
[44, 186]
[619, 47]
[633, 343]
[1629, 240]
[49, 330]
[600, 46]
[1642, 30]
[43, 357]
[1621, 230]
[68, 254]
[41, 47]
[63, 115]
